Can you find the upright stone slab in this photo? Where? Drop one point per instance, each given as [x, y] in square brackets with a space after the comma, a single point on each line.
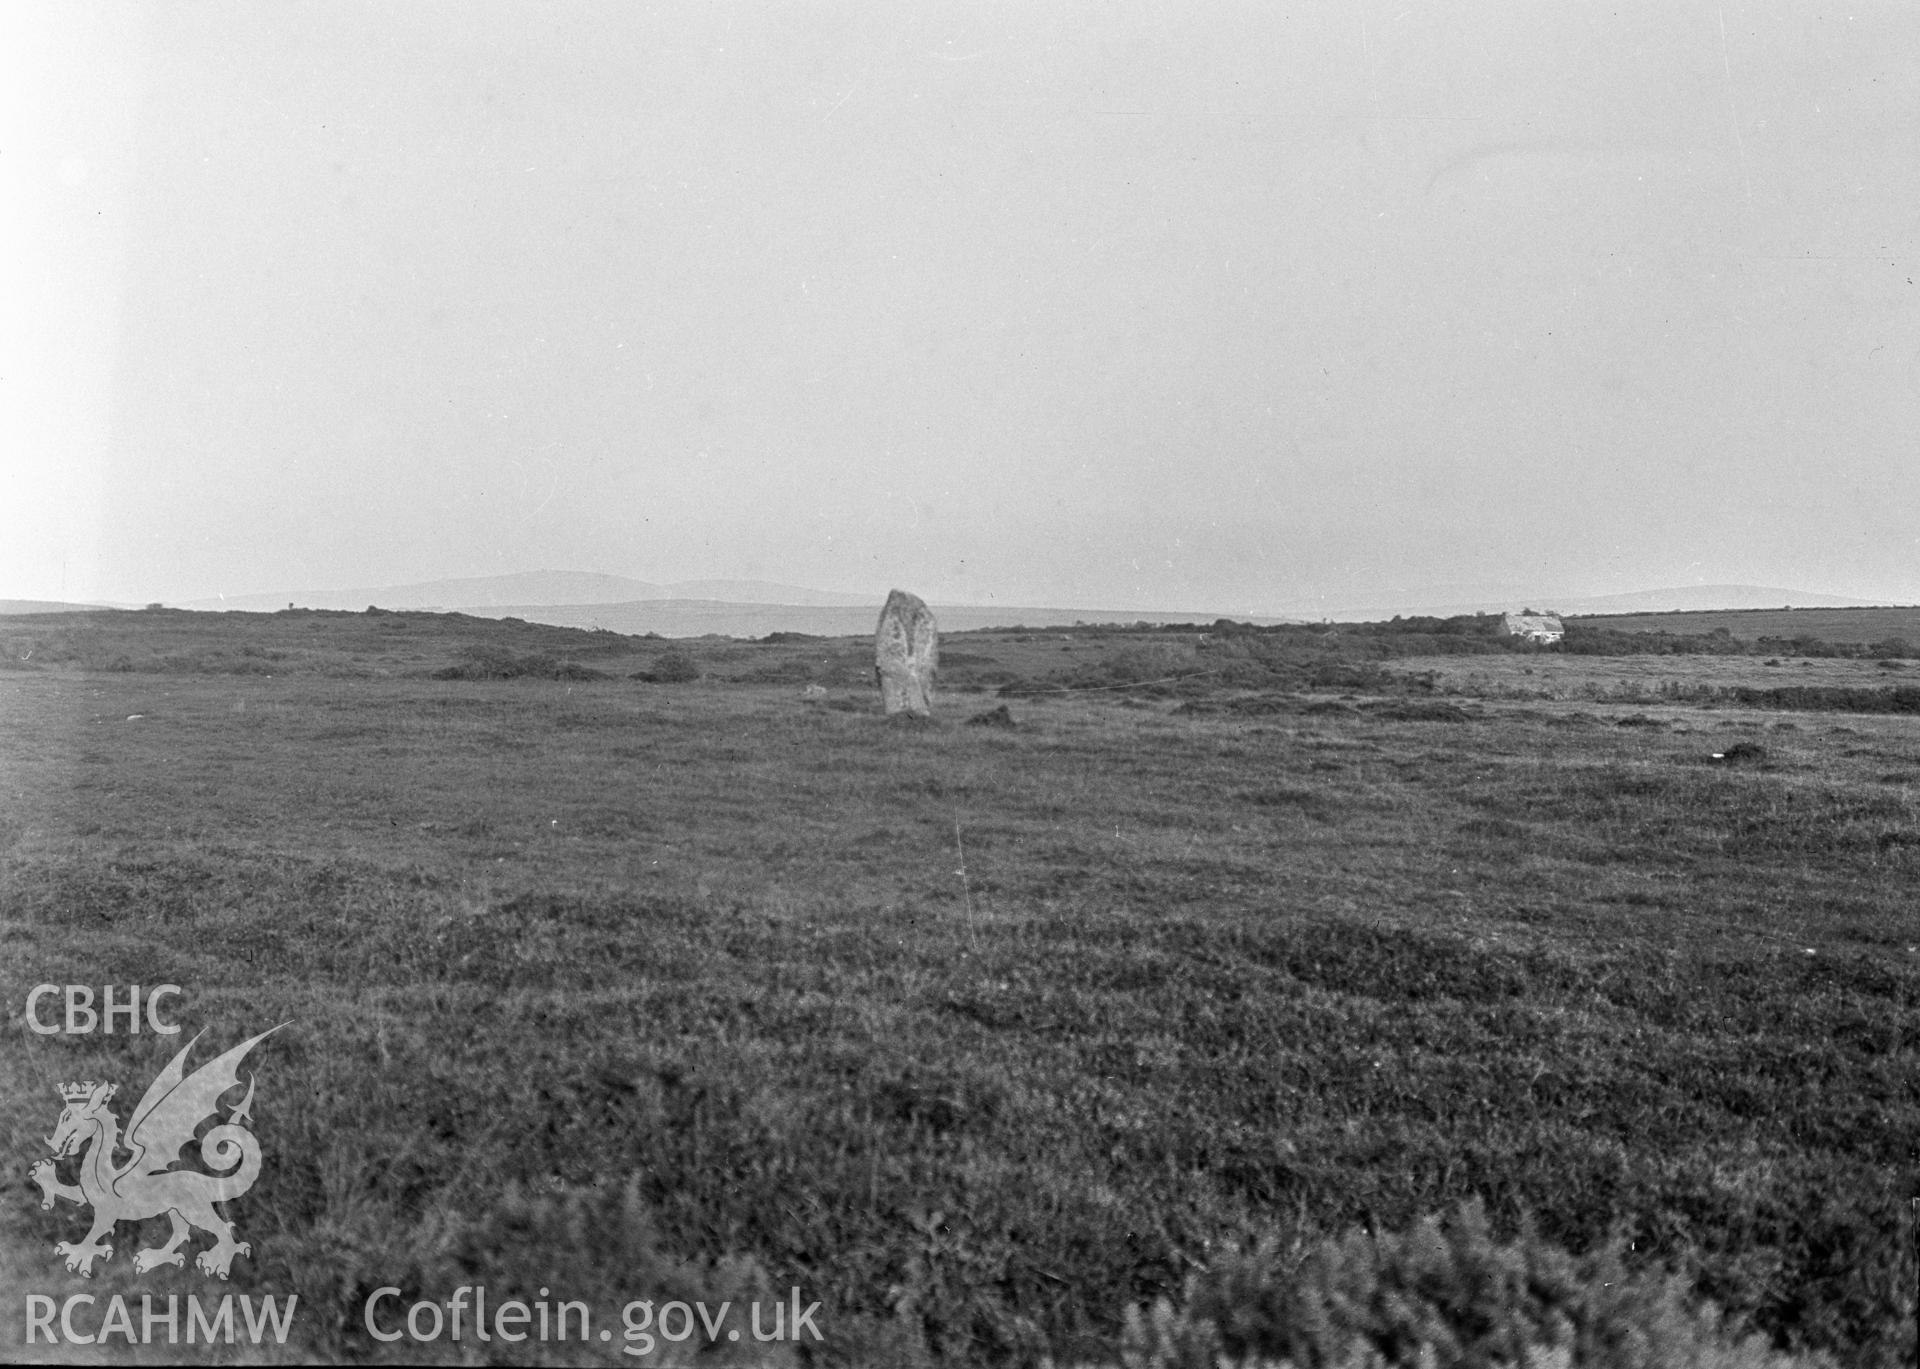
[906, 652]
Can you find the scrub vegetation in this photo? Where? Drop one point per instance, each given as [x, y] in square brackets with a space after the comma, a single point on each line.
[1317, 996]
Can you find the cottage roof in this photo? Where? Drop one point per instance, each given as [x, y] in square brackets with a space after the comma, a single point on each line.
[1530, 623]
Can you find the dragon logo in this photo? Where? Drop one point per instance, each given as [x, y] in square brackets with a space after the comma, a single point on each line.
[174, 1106]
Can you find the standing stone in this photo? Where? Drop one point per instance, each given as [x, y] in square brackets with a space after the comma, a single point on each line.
[906, 652]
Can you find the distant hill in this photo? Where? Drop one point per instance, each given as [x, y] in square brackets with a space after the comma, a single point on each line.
[568, 587]
[576, 587]
[1701, 598]
[703, 617]
[688, 608]
[766, 592]
[756, 607]
[1678, 599]
[47, 606]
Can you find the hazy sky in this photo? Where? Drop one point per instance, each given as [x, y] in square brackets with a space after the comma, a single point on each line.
[1171, 305]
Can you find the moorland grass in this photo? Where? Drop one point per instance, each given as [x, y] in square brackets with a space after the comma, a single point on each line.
[1833, 627]
[678, 992]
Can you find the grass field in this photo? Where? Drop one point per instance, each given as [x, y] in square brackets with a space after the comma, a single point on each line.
[979, 1036]
[1848, 625]
[1648, 679]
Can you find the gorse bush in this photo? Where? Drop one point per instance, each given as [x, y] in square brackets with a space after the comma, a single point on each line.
[1593, 639]
[495, 663]
[672, 666]
[1791, 698]
[1828, 698]
[1261, 662]
[1445, 1294]
[1148, 670]
[1587, 640]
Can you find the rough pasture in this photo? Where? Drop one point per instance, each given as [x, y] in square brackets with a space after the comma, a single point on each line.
[675, 989]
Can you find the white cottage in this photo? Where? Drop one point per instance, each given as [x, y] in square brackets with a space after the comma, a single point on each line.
[1543, 628]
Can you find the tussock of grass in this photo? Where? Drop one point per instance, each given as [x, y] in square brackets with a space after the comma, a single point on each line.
[1711, 815]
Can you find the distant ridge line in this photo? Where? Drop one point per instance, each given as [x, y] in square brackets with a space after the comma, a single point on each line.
[546, 587]
[1784, 608]
[1681, 599]
[703, 617]
[539, 595]
[23, 606]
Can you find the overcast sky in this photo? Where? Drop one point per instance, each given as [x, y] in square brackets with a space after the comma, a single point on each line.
[1171, 305]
